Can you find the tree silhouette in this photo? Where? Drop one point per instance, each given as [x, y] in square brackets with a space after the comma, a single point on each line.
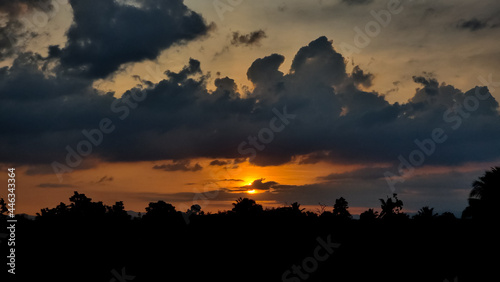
[195, 209]
[340, 209]
[391, 208]
[292, 210]
[82, 206]
[159, 209]
[484, 196]
[425, 213]
[61, 211]
[246, 206]
[3, 207]
[117, 211]
[368, 215]
[296, 208]
[163, 230]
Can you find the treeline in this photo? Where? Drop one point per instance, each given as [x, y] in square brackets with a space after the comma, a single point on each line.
[483, 204]
[86, 240]
[82, 207]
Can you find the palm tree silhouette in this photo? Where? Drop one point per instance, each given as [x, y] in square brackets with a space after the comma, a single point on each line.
[246, 206]
[425, 213]
[296, 208]
[484, 196]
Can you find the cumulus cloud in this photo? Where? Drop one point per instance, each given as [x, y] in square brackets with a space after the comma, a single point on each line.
[43, 114]
[106, 34]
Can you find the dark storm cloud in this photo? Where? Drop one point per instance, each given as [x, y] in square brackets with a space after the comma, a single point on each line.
[179, 165]
[106, 34]
[266, 69]
[253, 38]
[359, 77]
[43, 114]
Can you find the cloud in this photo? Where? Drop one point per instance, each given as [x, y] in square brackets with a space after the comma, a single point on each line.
[219, 163]
[55, 185]
[357, 2]
[107, 34]
[259, 184]
[253, 38]
[179, 165]
[13, 29]
[472, 24]
[105, 179]
[43, 113]
[232, 179]
[367, 173]
[359, 77]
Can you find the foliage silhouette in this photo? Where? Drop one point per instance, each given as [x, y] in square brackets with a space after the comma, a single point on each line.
[391, 209]
[425, 213]
[87, 239]
[340, 209]
[368, 215]
[484, 196]
[246, 206]
[3, 207]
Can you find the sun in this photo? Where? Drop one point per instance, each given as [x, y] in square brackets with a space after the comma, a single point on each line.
[251, 191]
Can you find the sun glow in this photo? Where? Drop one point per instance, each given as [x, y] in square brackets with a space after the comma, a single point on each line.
[251, 191]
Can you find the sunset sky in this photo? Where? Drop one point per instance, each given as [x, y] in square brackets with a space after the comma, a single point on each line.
[203, 102]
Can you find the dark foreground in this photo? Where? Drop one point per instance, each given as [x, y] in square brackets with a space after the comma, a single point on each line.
[263, 247]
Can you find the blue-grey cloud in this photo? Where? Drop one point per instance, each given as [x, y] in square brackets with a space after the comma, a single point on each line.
[106, 34]
[178, 118]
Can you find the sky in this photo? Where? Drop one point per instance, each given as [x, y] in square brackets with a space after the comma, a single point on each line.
[203, 102]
